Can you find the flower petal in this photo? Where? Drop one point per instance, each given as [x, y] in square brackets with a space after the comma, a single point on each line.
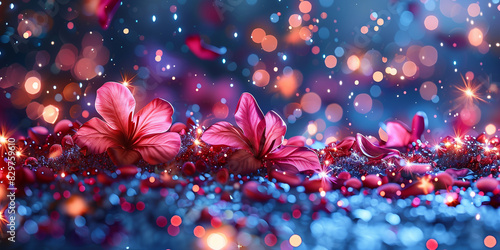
[154, 118]
[248, 116]
[96, 135]
[202, 50]
[299, 141]
[418, 125]
[158, 148]
[224, 133]
[345, 144]
[372, 151]
[106, 9]
[115, 103]
[398, 135]
[289, 157]
[275, 132]
[243, 162]
[122, 157]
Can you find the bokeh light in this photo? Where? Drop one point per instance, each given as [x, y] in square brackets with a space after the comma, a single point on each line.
[490, 241]
[431, 22]
[330, 61]
[261, 78]
[363, 103]
[490, 129]
[311, 102]
[428, 90]
[475, 37]
[334, 112]
[216, 241]
[295, 240]
[33, 85]
[50, 114]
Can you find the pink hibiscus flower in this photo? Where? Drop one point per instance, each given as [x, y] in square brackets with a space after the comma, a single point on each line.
[259, 140]
[127, 137]
[399, 135]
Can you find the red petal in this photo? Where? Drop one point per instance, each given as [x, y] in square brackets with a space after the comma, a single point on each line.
[243, 162]
[398, 135]
[289, 157]
[224, 133]
[418, 125]
[159, 148]
[106, 9]
[202, 50]
[299, 141]
[178, 127]
[372, 151]
[346, 144]
[115, 103]
[248, 116]
[122, 157]
[96, 135]
[55, 151]
[275, 132]
[154, 118]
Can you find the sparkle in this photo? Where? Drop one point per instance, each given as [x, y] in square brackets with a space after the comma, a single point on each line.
[470, 93]
[425, 184]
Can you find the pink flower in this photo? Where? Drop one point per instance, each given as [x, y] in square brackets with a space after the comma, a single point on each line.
[399, 135]
[258, 139]
[125, 136]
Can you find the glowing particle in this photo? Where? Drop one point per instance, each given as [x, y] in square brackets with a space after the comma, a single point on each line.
[32, 85]
[305, 6]
[216, 241]
[378, 76]
[364, 30]
[363, 103]
[330, 61]
[261, 78]
[432, 244]
[125, 31]
[305, 33]
[475, 37]
[50, 114]
[199, 231]
[474, 9]
[428, 90]
[311, 102]
[176, 220]
[295, 20]
[295, 240]
[490, 241]
[258, 35]
[270, 240]
[334, 112]
[409, 69]
[431, 22]
[490, 129]
[153, 18]
[269, 43]
[353, 63]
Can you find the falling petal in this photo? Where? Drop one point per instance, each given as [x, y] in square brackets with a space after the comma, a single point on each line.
[202, 50]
